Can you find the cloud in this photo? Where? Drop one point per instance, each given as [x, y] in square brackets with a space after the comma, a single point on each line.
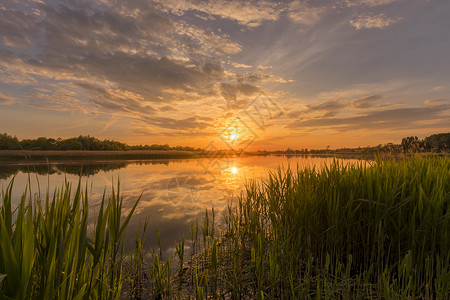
[186, 125]
[238, 65]
[131, 105]
[127, 60]
[379, 21]
[17, 28]
[393, 119]
[262, 67]
[366, 102]
[438, 88]
[236, 95]
[16, 41]
[370, 3]
[5, 100]
[325, 109]
[247, 13]
[438, 102]
[303, 13]
[200, 40]
[261, 77]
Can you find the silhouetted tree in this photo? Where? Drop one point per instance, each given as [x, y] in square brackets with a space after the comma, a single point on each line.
[8, 142]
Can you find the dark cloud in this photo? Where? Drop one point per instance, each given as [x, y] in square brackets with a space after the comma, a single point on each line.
[236, 95]
[150, 76]
[116, 101]
[123, 56]
[17, 28]
[326, 109]
[187, 124]
[384, 119]
[327, 106]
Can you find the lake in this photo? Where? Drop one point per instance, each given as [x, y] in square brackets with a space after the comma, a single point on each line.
[175, 193]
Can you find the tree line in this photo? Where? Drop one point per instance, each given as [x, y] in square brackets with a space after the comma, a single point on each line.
[82, 142]
[436, 143]
[433, 143]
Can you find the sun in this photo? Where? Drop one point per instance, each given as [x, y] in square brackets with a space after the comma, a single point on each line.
[234, 136]
[234, 170]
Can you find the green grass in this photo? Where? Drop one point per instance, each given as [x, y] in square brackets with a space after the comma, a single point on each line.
[345, 232]
[47, 251]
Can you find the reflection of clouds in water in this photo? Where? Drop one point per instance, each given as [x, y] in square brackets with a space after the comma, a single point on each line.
[199, 190]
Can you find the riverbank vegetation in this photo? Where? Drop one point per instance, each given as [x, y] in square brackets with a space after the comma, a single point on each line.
[378, 231]
[9, 157]
[346, 232]
[50, 251]
[436, 143]
[82, 142]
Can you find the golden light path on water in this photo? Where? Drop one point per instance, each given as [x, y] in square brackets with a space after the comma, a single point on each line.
[175, 193]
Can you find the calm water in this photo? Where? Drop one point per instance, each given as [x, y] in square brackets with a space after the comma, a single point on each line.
[175, 193]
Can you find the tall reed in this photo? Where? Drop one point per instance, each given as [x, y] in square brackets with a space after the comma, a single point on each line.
[49, 253]
[346, 231]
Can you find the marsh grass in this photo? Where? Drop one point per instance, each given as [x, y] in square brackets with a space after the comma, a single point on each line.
[362, 231]
[47, 251]
[345, 232]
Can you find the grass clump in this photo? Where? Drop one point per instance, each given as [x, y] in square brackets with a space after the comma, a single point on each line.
[48, 249]
[345, 232]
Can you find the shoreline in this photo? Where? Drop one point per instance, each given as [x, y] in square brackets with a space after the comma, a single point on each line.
[43, 156]
[12, 157]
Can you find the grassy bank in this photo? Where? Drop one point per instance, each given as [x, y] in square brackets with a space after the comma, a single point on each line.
[344, 232]
[36, 156]
[347, 232]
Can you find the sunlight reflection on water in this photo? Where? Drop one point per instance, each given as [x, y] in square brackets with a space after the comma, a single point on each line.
[175, 192]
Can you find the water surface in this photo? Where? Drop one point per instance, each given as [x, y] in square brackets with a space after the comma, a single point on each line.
[175, 193]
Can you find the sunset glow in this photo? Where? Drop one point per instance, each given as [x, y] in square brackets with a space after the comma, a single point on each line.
[299, 74]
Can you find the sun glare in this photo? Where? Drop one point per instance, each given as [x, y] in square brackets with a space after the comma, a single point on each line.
[234, 170]
[234, 136]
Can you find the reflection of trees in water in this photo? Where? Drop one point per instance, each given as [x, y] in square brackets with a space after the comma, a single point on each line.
[7, 171]
[87, 169]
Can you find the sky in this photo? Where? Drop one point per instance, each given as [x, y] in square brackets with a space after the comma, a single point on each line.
[226, 74]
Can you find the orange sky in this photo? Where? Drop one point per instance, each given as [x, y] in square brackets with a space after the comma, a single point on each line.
[277, 74]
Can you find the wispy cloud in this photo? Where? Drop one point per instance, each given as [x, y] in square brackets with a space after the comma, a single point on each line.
[379, 21]
[302, 12]
[393, 119]
[366, 102]
[127, 60]
[5, 100]
[370, 3]
[236, 95]
[247, 13]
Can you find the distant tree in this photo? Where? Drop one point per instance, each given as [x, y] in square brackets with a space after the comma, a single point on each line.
[8, 142]
[70, 144]
[438, 142]
[410, 143]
